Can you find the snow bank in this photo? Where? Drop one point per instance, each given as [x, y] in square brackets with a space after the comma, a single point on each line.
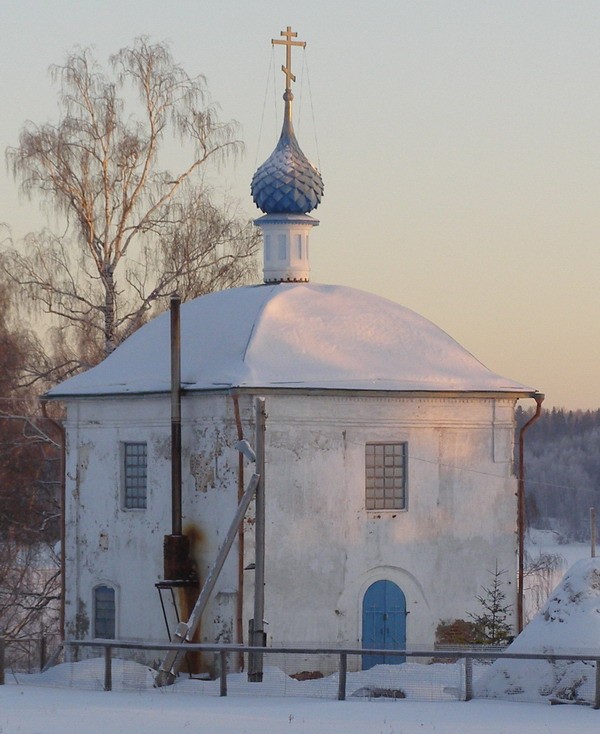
[568, 623]
[414, 681]
[89, 674]
[439, 682]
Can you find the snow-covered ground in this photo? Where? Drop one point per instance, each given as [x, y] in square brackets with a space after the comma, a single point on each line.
[69, 698]
[26, 709]
[547, 541]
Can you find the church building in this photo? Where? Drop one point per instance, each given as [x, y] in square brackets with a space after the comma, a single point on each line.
[388, 484]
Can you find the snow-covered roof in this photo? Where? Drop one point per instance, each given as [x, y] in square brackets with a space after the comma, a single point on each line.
[292, 336]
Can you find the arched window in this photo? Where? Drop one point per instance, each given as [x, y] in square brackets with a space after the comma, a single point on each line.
[104, 612]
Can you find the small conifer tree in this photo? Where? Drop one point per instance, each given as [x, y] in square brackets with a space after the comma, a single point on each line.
[491, 625]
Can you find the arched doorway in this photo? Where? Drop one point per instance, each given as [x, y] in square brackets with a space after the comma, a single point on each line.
[383, 623]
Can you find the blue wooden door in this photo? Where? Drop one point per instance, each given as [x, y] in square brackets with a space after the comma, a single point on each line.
[384, 623]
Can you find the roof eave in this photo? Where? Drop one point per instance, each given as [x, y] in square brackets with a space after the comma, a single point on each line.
[510, 393]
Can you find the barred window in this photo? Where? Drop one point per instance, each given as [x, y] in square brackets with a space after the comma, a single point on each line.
[104, 612]
[385, 476]
[135, 467]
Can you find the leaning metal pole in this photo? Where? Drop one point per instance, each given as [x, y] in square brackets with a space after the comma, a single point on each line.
[255, 666]
[185, 630]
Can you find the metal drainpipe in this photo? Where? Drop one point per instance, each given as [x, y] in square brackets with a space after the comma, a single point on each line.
[539, 399]
[63, 448]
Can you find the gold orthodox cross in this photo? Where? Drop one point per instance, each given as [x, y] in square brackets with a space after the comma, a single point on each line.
[288, 43]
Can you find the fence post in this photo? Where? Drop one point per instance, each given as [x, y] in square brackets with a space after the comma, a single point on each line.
[1, 660]
[108, 668]
[468, 678]
[223, 672]
[597, 691]
[342, 676]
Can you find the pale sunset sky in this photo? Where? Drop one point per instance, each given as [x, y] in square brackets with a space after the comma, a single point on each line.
[459, 142]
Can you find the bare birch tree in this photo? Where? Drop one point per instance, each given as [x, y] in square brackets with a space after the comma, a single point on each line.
[133, 230]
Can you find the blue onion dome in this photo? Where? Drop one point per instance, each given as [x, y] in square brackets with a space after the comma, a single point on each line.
[287, 182]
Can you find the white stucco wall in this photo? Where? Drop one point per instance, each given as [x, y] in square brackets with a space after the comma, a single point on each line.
[107, 544]
[323, 548]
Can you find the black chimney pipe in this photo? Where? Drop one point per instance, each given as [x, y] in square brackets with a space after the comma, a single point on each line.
[177, 564]
[175, 414]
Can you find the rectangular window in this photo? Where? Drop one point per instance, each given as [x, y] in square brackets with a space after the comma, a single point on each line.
[104, 612]
[299, 246]
[385, 476]
[135, 467]
[267, 247]
[282, 247]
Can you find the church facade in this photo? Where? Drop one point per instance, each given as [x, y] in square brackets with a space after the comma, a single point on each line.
[388, 486]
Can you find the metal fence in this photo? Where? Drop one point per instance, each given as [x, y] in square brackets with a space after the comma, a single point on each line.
[457, 674]
[27, 654]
